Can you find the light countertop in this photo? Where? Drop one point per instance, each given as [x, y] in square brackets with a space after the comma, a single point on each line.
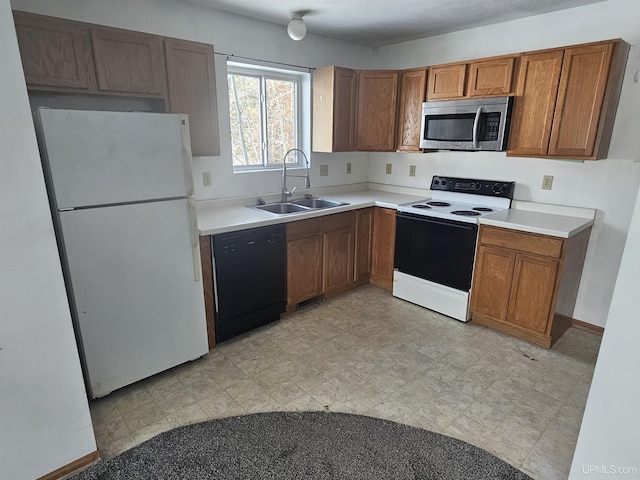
[546, 219]
[214, 218]
[553, 220]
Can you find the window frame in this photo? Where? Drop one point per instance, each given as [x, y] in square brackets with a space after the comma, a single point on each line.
[264, 74]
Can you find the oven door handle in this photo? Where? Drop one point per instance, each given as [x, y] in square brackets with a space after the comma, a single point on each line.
[476, 125]
[420, 218]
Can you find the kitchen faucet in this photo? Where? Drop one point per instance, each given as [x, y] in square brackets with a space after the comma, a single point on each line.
[286, 194]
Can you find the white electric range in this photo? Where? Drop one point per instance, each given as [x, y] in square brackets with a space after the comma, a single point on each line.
[436, 242]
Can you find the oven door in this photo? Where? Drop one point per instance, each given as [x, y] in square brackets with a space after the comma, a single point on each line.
[434, 249]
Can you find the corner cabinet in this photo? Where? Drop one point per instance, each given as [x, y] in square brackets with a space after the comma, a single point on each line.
[192, 90]
[376, 111]
[334, 110]
[383, 245]
[566, 101]
[363, 249]
[413, 87]
[526, 284]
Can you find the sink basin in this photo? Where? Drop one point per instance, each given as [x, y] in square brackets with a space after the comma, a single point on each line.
[282, 208]
[317, 203]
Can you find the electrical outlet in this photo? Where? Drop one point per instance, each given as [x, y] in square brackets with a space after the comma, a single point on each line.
[324, 170]
[206, 179]
[547, 182]
[349, 168]
[388, 169]
[412, 170]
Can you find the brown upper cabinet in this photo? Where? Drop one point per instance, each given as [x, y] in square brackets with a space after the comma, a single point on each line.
[376, 112]
[447, 81]
[334, 109]
[413, 86]
[566, 101]
[492, 76]
[130, 62]
[192, 90]
[61, 55]
[52, 52]
[487, 77]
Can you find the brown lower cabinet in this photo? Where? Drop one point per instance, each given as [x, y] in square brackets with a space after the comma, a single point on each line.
[304, 260]
[526, 284]
[383, 243]
[207, 287]
[328, 255]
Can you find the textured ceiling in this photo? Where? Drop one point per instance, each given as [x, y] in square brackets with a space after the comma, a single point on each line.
[383, 22]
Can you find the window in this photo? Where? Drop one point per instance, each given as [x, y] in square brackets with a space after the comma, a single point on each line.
[265, 111]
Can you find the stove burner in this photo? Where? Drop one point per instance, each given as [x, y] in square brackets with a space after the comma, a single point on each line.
[438, 204]
[421, 205]
[482, 209]
[466, 213]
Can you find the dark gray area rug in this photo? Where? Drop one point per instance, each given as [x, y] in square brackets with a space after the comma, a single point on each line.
[311, 445]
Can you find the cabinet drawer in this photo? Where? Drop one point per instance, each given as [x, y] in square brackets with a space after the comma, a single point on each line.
[337, 221]
[524, 242]
[304, 228]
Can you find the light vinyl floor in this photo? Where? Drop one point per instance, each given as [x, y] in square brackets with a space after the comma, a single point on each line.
[369, 353]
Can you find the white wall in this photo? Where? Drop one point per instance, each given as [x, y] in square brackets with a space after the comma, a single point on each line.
[608, 185]
[230, 34]
[44, 414]
[610, 431]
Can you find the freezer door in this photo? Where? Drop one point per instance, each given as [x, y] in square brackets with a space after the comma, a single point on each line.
[102, 158]
[136, 290]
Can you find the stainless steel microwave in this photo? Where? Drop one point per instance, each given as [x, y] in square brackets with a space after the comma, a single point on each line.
[474, 124]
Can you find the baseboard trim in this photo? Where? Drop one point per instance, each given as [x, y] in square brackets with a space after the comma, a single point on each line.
[73, 467]
[587, 326]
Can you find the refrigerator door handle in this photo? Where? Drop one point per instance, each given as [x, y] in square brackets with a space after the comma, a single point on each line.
[186, 153]
[195, 238]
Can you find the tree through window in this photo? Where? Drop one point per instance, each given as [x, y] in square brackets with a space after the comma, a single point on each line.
[264, 115]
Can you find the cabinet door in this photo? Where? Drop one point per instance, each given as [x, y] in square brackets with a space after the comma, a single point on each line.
[491, 77]
[334, 109]
[338, 258]
[383, 243]
[192, 90]
[538, 79]
[447, 82]
[377, 101]
[493, 273]
[413, 86]
[344, 110]
[364, 227]
[582, 86]
[531, 303]
[127, 61]
[304, 269]
[52, 51]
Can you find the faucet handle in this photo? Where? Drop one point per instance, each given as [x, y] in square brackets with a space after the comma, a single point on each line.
[291, 192]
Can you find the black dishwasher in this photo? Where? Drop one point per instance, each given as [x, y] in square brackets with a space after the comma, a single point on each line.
[250, 279]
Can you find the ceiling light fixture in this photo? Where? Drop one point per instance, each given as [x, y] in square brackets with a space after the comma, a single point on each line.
[296, 27]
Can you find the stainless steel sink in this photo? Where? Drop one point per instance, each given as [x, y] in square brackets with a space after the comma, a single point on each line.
[316, 203]
[282, 208]
[297, 206]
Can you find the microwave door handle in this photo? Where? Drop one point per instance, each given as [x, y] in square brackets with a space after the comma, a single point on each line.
[476, 124]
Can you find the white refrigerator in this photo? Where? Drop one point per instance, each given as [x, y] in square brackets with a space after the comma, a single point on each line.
[121, 192]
